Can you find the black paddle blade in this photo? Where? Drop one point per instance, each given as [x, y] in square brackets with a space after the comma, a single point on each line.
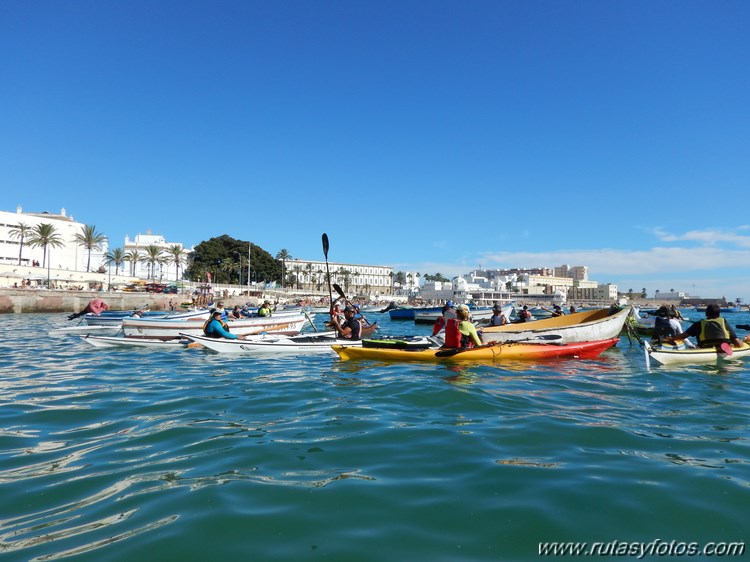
[743, 326]
[337, 288]
[325, 245]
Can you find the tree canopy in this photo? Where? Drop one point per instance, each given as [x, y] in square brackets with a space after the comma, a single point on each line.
[215, 255]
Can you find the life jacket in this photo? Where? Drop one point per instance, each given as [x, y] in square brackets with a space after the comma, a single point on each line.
[452, 333]
[713, 330]
[496, 320]
[213, 334]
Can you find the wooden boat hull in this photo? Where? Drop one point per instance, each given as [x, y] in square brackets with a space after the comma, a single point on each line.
[288, 324]
[493, 353]
[590, 325]
[696, 356]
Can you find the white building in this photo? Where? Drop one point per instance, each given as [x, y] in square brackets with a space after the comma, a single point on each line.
[164, 271]
[372, 280]
[71, 256]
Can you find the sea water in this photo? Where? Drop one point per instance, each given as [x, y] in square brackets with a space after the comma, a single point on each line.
[132, 454]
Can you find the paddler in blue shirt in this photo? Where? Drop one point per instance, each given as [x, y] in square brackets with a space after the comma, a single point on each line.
[215, 327]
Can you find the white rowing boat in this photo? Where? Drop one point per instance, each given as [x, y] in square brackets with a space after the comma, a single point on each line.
[590, 325]
[287, 324]
[115, 319]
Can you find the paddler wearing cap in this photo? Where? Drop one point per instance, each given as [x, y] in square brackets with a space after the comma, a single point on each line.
[265, 309]
[497, 318]
[350, 328]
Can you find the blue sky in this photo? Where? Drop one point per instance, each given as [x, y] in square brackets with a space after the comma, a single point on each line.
[432, 136]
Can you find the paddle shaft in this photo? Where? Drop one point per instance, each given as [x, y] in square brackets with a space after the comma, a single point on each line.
[310, 320]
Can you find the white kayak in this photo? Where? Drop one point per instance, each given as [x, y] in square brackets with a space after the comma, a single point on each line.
[120, 341]
[678, 355]
[302, 344]
[84, 329]
[271, 343]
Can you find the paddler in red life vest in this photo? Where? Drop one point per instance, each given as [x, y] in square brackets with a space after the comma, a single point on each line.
[449, 311]
[459, 331]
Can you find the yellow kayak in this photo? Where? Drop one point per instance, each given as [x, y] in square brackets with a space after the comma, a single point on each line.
[491, 353]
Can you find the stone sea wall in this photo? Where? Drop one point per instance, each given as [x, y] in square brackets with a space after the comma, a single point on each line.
[40, 300]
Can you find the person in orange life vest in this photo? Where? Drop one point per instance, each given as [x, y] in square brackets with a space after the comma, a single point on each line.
[449, 311]
[351, 329]
[712, 331]
[459, 331]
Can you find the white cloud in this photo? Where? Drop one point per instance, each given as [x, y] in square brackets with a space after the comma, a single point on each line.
[709, 269]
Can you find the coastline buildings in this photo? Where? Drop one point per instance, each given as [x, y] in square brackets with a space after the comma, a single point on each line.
[560, 284]
[71, 256]
[373, 280]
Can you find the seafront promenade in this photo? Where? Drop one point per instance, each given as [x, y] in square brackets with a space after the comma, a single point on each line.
[42, 300]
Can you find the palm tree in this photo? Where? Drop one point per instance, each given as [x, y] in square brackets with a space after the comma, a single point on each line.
[45, 235]
[20, 231]
[89, 238]
[176, 256]
[283, 255]
[134, 257]
[154, 255]
[309, 268]
[297, 269]
[117, 257]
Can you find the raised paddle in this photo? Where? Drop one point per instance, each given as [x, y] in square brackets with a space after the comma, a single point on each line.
[328, 275]
[743, 326]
